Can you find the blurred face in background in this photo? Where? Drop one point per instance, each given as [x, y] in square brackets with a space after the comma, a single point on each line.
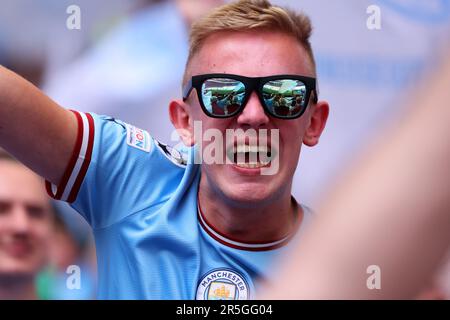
[26, 221]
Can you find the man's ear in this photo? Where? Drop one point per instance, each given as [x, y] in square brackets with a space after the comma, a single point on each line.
[319, 116]
[181, 119]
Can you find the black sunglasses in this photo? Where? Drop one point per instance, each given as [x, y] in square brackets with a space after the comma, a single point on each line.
[225, 95]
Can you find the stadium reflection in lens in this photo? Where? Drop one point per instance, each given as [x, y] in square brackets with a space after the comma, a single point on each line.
[284, 97]
[222, 97]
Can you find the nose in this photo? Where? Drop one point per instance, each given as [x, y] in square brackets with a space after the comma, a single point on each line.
[20, 220]
[253, 115]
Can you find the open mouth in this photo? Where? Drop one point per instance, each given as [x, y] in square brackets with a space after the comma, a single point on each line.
[251, 156]
[18, 249]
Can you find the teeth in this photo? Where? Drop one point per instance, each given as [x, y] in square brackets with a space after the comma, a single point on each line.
[246, 148]
[250, 156]
[251, 165]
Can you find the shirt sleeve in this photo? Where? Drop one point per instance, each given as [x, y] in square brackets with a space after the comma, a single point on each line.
[116, 170]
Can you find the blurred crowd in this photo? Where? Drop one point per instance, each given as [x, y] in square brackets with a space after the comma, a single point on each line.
[127, 61]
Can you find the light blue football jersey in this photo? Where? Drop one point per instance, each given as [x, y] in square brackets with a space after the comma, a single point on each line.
[152, 240]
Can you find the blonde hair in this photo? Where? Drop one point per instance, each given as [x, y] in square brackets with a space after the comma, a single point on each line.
[250, 15]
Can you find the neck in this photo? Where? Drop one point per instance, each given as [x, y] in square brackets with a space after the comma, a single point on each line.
[245, 222]
[17, 287]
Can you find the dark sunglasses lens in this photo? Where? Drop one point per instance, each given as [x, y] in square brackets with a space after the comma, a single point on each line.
[223, 97]
[285, 97]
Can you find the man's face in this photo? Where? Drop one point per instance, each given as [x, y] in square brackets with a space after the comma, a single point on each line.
[25, 220]
[252, 54]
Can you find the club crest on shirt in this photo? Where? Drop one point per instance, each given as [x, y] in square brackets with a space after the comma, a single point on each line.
[223, 284]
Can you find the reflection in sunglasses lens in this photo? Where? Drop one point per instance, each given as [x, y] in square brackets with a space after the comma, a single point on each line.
[222, 97]
[285, 97]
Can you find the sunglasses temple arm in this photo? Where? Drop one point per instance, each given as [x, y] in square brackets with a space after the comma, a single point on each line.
[187, 90]
[315, 96]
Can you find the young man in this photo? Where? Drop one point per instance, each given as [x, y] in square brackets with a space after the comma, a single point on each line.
[165, 226]
[26, 227]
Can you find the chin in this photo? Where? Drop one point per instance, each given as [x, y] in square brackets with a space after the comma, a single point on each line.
[21, 268]
[18, 271]
[250, 194]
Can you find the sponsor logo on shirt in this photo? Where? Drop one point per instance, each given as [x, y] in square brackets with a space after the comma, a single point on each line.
[223, 284]
[138, 138]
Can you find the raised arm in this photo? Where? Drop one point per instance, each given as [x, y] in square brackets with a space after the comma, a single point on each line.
[391, 211]
[33, 128]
